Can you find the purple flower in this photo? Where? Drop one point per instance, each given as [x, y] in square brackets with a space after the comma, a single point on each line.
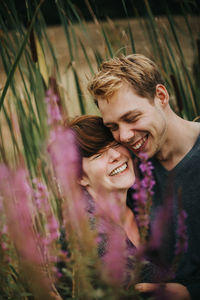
[41, 197]
[114, 260]
[53, 110]
[182, 241]
[65, 158]
[143, 195]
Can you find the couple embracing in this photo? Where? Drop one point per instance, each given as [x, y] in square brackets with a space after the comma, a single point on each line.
[137, 118]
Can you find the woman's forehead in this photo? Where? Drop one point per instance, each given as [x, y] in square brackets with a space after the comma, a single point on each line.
[109, 145]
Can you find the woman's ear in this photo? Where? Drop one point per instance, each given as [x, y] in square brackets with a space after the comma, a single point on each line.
[83, 181]
[162, 94]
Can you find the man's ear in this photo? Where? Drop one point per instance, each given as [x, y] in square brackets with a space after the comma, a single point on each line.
[162, 94]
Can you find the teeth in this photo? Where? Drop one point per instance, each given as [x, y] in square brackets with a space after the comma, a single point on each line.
[139, 144]
[119, 170]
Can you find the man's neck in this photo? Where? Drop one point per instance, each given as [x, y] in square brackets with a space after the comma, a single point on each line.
[181, 137]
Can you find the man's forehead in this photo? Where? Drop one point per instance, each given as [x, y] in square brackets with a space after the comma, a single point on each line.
[101, 101]
[102, 104]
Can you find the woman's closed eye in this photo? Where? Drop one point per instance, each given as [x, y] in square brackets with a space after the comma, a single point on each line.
[112, 127]
[97, 156]
[116, 144]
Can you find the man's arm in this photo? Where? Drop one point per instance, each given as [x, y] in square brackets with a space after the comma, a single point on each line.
[176, 290]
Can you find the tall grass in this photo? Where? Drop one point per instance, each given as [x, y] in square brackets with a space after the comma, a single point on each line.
[30, 68]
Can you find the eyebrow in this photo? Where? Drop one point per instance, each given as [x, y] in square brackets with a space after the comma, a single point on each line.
[131, 113]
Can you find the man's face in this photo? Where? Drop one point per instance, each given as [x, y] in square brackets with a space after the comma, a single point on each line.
[136, 122]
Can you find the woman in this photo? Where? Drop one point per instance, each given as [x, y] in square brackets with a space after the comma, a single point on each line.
[107, 175]
[107, 172]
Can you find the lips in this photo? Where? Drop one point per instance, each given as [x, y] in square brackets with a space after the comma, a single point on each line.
[119, 169]
[139, 145]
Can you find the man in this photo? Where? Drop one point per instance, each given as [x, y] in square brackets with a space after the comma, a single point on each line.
[134, 104]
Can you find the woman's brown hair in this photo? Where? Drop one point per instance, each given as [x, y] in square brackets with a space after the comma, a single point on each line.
[92, 135]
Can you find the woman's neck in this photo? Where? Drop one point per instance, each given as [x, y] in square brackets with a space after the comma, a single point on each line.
[113, 205]
[112, 202]
[130, 227]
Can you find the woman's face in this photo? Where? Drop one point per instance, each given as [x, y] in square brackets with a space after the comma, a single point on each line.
[109, 170]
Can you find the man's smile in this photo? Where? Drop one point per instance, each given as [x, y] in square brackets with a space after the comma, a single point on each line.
[138, 146]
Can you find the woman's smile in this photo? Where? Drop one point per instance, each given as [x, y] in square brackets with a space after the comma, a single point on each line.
[119, 170]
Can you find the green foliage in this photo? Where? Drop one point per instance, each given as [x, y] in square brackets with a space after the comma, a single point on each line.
[29, 60]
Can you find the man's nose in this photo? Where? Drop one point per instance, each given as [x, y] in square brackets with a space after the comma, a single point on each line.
[125, 134]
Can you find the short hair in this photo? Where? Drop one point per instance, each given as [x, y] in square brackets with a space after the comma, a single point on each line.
[92, 135]
[137, 70]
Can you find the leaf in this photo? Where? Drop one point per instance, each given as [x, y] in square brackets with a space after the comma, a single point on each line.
[19, 54]
[42, 62]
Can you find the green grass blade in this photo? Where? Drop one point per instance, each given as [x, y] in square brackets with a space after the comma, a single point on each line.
[108, 44]
[129, 29]
[79, 92]
[19, 54]
[86, 57]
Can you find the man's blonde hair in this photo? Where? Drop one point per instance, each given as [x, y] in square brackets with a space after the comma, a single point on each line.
[137, 70]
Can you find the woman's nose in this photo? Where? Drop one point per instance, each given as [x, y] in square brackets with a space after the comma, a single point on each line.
[114, 154]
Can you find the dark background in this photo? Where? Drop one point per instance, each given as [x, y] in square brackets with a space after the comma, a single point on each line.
[106, 8]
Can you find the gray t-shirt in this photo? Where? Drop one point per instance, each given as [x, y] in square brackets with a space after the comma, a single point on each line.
[182, 186]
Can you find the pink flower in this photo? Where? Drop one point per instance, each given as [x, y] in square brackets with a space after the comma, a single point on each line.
[114, 260]
[143, 191]
[40, 195]
[16, 194]
[182, 240]
[53, 228]
[53, 110]
[4, 246]
[65, 158]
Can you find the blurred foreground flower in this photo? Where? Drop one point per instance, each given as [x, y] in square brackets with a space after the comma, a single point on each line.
[143, 192]
[52, 100]
[182, 238]
[15, 192]
[66, 162]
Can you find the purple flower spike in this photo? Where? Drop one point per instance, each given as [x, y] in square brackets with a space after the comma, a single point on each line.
[53, 110]
[182, 242]
[143, 195]
[65, 158]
